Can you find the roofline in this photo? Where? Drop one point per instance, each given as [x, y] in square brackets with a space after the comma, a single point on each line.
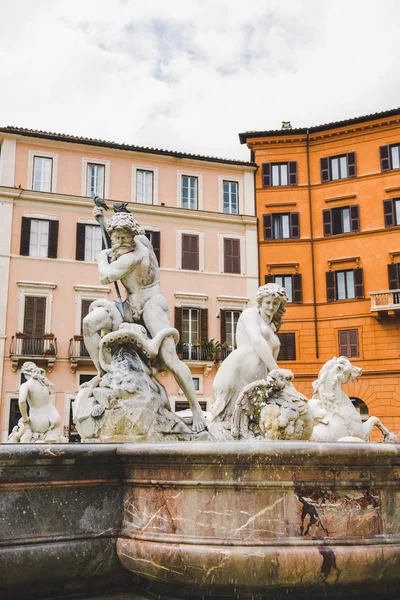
[243, 137]
[61, 137]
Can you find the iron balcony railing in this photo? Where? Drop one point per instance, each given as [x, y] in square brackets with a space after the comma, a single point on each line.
[23, 344]
[77, 348]
[206, 352]
[385, 300]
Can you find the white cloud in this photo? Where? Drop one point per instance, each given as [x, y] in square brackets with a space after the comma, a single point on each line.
[190, 75]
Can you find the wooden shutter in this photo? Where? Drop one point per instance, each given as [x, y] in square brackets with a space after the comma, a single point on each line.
[267, 222]
[294, 218]
[393, 276]
[178, 320]
[231, 256]
[203, 325]
[343, 343]
[103, 245]
[351, 164]
[53, 239]
[330, 286]
[156, 243]
[327, 220]
[297, 289]
[384, 152]
[223, 325]
[190, 252]
[35, 315]
[288, 346]
[80, 242]
[25, 236]
[85, 310]
[348, 343]
[354, 217]
[325, 171]
[269, 279]
[266, 174]
[358, 283]
[388, 211]
[292, 168]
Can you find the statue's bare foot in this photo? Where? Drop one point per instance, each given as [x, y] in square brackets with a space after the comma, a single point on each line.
[199, 423]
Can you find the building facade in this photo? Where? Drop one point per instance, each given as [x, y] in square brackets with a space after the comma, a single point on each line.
[199, 213]
[328, 204]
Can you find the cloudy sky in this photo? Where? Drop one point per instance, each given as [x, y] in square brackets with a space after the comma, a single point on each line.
[190, 75]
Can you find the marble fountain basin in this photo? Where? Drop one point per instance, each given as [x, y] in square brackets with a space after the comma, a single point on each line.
[195, 519]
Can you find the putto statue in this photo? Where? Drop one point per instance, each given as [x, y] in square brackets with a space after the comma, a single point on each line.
[140, 341]
[42, 424]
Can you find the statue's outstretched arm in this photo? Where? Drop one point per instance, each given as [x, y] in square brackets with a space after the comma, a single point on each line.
[259, 344]
[119, 268]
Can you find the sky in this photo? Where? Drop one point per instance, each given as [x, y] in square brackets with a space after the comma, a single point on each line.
[189, 75]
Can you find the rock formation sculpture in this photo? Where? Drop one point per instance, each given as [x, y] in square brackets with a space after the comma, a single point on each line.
[335, 417]
[42, 424]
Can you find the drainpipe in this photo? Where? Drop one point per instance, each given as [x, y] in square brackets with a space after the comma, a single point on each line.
[312, 246]
[252, 158]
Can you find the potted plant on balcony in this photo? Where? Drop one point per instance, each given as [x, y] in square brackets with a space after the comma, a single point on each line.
[211, 348]
[179, 349]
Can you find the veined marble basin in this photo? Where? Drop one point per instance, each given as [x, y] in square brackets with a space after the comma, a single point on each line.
[261, 516]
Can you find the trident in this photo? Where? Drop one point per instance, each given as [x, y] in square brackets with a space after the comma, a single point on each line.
[120, 304]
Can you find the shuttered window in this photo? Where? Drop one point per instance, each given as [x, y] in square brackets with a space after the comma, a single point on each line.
[35, 315]
[89, 242]
[144, 187]
[231, 256]
[341, 220]
[95, 180]
[391, 211]
[190, 252]
[338, 167]
[229, 321]
[42, 174]
[189, 192]
[344, 285]
[39, 237]
[15, 414]
[288, 346]
[292, 285]
[231, 200]
[390, 157]
[394, 276]
[155, 238]
[348, 343]
[280, 226]
[279, 174]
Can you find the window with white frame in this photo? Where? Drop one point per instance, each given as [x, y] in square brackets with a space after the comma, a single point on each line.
[231, 321]
[286, 281]
[144, 186]
[189, 192]
[42, 173]
[93, 242]
[231, 204]
[190, 326]
[39, 238]
[95, 180]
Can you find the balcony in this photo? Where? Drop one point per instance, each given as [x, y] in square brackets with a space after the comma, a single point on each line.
[77, 353]
[385, 303]
[40, 349]
[204, 355]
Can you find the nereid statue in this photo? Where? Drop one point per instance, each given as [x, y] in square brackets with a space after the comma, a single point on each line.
[43, 422]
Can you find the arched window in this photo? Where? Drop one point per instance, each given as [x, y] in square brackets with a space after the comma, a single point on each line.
[360, 407]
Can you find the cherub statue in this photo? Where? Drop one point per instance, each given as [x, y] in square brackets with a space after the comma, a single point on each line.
[43, 422]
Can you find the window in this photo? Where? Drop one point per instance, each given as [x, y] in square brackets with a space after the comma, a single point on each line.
[231, 256]
[348, 343]
[341, 220]
[189, 192]
[231, 203]
[15, 414]
[288, 346]
[230, 319]
[281, 226]
[95, 180]
[390, 157]
[391, 211]
[196, 383]
[190, 252]
[344, 285]
[361, 408]
[338, 167]
[292, 285]
[190, 326]
[39, 237]
[155, 239]
[34, 325]
[144, 186]
[394, 276]
[279, 174]
[73, 434]
[42, 173]
[89, 242]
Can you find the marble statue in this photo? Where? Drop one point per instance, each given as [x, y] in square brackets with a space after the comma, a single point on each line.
[256, 353]
[335, 417]
[42, 424]
[119, 403]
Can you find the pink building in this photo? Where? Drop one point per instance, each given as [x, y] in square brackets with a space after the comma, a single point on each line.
[198, 211]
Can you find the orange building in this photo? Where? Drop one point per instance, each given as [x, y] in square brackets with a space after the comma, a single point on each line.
[328, 204]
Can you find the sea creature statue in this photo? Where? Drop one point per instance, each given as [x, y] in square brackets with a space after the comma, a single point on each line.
[130, 343]
[272, 409]
[42, 424]
[335, 417]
